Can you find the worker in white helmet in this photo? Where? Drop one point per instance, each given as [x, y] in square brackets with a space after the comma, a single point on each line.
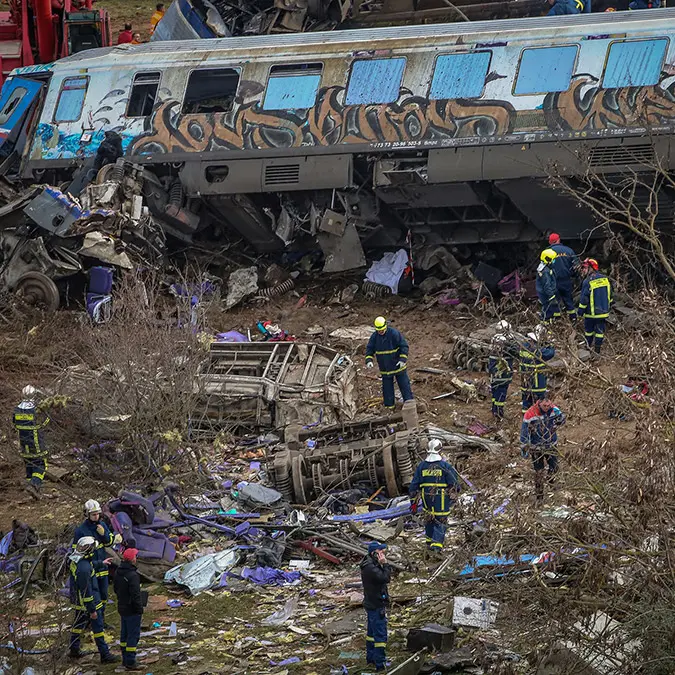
[390, 348]
[86, 600]
[93, 526]
[437, 482]
[29, 420]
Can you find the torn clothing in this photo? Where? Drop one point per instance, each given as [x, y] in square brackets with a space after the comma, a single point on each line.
[375, 578]
[29, 421]
[436, 481]
[389, 349]
[596, 296]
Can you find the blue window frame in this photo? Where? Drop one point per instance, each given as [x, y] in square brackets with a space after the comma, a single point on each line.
[545, 69]
[634, 64]
[375, 81]
[71, 99]
[292, 87]
[459, 75]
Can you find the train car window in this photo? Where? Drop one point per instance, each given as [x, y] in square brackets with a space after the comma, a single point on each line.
[143, 94]
[634, 64]
[545, 69]
[71, 99]
[292, 87]
[210, 91]
[459, 75]
[374, 81]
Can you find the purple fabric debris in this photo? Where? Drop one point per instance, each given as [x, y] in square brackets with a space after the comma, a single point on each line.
[269, 576]
[372, 516]
[477, 428]
[286, 662]
[174, 603]
[255, 466]
[231, 336]
[227, 484]
[6, 541]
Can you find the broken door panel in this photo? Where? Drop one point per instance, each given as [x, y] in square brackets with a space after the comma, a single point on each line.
[17, 98]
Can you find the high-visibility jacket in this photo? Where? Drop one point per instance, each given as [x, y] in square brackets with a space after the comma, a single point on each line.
[84, 593]
[388, 349]
[562, 7]
[532, 368]
[435, 481]
[596, 296]
[500, 369]
[88, 529]
[29, 421]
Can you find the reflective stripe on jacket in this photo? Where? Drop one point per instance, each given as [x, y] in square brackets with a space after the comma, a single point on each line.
[532, 367]
[388, 349]
[88, 529]
[435, 481]
[84, 593]
[29, 421]
[596, 296]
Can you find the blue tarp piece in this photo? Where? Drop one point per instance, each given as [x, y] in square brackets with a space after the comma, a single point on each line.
[269, 576]
[372, 516]
[5, 542]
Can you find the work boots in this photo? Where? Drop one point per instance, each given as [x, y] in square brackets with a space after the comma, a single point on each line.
[110, 658]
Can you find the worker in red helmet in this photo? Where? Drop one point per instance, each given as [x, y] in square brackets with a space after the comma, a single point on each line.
[566, 269]
[594, 303]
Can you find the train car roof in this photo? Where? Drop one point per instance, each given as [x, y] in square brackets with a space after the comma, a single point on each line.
[599, 24]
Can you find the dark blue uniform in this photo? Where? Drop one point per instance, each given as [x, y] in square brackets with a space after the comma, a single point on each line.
[85, 599]
[533, 375]
[375, 578]
[436, 481]
[565, 268]
[594, 305]
[563, 7]
[500, 368]
[389, 349]
[538, 433]
[88, 529]
[29, 421]
[547, 292]
[130, 607]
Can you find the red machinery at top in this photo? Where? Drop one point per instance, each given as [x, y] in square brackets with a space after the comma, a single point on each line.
[41, 31]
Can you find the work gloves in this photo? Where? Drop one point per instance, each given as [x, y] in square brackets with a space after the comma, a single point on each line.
[414, 506]
[117, 539]
[369, 364]
[100, 529]
[400, 364]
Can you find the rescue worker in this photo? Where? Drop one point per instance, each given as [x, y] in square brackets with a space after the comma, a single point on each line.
[86, 601]
[29, 420]
[546, 286]
[534, 352]
[130, 607]
[566, 269]
[500, 367]
[156, 17]
[375, 575]
[437, 482]
[391, 350]
[539, 438]
[562, 7]
[126, 36]
[93, 526]
[594, 303]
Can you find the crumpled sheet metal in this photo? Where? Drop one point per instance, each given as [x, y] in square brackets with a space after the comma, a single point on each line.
[203, 573]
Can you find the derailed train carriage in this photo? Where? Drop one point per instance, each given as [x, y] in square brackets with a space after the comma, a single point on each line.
[445, 132]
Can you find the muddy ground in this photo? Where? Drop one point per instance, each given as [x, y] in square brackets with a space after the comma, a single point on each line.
[216, 623]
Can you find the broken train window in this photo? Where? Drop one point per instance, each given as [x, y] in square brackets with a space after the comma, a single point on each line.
[292, 87]
[12, 102]
[71, 99]
[210, 91]
[143, 94]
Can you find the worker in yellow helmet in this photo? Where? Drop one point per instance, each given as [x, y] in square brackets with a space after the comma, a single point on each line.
[547, 289]
[390, 348]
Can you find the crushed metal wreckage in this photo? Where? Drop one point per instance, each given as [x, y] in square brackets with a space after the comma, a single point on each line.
[268, 385]
[49, 236]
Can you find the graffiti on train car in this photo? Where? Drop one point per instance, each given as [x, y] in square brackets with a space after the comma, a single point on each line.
[585, 106]
[412, 120]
